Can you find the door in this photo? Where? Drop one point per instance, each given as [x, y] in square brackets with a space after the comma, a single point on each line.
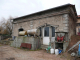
[48, 32]
[46, 36]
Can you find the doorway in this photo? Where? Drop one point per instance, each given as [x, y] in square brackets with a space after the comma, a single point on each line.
[48, 32]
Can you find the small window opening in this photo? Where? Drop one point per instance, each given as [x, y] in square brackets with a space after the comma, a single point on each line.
[46, 32]
[21, 29]
[53, 31]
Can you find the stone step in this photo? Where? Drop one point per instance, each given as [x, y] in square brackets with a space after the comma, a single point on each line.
[44, 46]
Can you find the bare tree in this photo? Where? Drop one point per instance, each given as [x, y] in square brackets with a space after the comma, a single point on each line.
[9, 26]
[6, 26]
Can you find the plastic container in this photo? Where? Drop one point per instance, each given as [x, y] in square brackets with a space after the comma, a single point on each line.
[56, 51]
[52, 51]
[79, 50]
[60, 51]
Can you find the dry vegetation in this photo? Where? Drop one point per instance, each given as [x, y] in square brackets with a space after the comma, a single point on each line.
[6, 26]
[74, 40]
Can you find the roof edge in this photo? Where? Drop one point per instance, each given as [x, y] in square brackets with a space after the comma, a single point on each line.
[73, 6]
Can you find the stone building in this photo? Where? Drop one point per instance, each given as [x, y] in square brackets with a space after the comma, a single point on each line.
[78, 26]
[50, 22]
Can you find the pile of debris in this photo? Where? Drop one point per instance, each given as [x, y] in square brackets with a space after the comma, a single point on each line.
[74, 41]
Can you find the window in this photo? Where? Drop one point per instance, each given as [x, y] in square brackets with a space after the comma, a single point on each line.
[46, 32]
[78, 24]
[53, 32]
[21, 29]
[79, 30]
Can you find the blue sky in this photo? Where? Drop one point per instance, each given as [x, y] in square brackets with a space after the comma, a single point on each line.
[17, 8]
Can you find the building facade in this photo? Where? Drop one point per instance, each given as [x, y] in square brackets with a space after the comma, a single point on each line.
[78, 26]
[50, 22]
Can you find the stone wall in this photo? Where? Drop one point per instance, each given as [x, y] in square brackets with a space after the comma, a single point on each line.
[64, 18]
[72, 27]
[34, 41]
[77, 26]
[55, 20]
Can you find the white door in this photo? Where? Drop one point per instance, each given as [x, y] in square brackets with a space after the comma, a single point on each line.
[46, 35]
[48, 32]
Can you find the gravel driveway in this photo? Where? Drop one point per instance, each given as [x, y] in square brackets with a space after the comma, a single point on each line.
[11, 53]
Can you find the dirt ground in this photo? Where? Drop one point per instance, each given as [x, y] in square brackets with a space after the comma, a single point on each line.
[11, 53]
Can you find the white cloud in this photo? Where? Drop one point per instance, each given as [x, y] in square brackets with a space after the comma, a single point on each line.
[19, 7]
[24, 7]
[54, 3]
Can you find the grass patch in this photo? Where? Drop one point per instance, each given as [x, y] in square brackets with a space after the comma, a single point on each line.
[0, 45]
[26, 49]
[34, 50]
